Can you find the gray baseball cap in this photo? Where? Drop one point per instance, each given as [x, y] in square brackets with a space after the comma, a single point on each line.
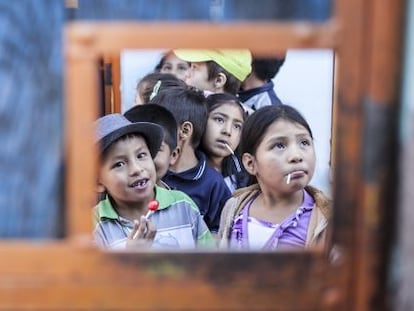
[113, 126]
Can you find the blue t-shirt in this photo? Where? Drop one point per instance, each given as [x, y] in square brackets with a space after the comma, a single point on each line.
[205, 186]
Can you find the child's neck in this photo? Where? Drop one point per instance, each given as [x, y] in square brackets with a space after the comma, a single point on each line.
[275, 208]
[215, 162]
[187, 160]
[282, 201]
[132, 212]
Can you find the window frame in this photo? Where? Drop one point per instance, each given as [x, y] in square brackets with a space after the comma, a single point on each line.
[74, 273]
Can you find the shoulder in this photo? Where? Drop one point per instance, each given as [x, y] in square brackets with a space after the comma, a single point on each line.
[168, 198]
[322, 202]
[211, 180]
[240, 196]
[104, 210]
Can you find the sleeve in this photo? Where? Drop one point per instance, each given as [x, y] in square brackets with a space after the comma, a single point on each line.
[226, 222]
[219, 195]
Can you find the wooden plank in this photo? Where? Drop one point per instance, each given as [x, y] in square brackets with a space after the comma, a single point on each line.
[379, 167]
[90, 279]
[260, 37]
[81, 92]
[348, 152]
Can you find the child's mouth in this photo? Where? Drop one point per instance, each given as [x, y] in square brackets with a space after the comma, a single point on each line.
[139, 184]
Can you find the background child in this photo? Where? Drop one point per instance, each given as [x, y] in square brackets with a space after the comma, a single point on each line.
[169, 152]
[217, 71]
[281, 210]
[170, 63]
[258, 88]
[152, 83]
[127, 175]
[222, 137]
[191, 173]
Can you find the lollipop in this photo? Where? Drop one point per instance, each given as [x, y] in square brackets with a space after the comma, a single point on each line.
[152, 207]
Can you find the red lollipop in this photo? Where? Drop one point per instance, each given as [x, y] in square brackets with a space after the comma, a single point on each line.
[152, 207]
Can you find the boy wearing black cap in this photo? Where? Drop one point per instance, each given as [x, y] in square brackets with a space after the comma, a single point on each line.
[127, 176]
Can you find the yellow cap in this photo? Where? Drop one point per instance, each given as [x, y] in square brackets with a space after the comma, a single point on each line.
[236, 62]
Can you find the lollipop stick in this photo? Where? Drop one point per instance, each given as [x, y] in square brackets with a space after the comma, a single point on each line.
[288, 179]
[229, 148]
[148, 214]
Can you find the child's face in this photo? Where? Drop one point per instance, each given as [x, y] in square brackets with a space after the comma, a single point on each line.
[197, 76]
[174, 65]
[162, 160]
[127, 172]
[286, 148]
[224, 126]
[138, 95]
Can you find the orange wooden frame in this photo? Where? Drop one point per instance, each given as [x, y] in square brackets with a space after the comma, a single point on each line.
[71, 273]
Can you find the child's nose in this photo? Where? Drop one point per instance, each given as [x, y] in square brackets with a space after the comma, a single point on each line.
[135, 168]
[227, 127]
[295, 154]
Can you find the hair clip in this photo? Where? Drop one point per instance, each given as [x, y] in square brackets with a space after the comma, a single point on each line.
[155, 89]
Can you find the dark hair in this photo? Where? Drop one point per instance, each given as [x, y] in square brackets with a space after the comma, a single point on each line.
[232, 84]
[257, 124]
[165, 80]
[186, 104]
[217, 99]
[158, 67]
[266, 68]
[158, 115]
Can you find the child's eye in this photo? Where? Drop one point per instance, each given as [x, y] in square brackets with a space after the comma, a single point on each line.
[279, 146]
[305, 142]
[182, 67]
[218, 119]
[165, 67]
[238, 126]
[118, 164]
[142, 155]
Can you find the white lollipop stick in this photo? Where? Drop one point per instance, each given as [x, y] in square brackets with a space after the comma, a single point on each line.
[288, 179]
[229, 148]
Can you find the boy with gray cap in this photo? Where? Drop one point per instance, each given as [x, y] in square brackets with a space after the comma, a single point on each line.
[127, 176]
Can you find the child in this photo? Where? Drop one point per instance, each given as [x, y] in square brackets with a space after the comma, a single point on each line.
[258, 88]
[170, 63]
[191, 173]
[149, 86]
[280, 211]
[216, 71]
[127, 175]
[222, 137]
[169, 152]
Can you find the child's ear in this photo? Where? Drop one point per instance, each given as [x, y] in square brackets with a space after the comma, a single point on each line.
[186, 130]
[100, 188]
[220, 81]
[175, 155]
[249, 163]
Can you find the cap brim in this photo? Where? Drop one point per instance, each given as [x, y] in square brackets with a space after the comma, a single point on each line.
[153, 134]
[193, 55]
